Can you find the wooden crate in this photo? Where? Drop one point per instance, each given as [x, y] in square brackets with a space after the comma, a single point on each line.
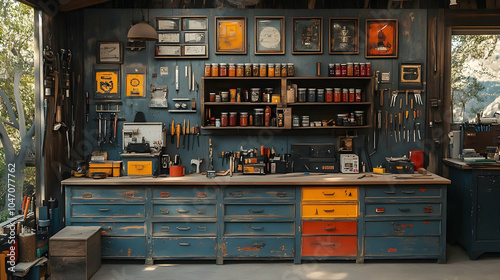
[75, 252]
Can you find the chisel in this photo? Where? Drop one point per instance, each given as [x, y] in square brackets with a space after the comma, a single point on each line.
[178, 132]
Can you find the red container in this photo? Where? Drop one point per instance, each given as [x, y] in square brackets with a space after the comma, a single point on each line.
[177, 171]
[417, 157]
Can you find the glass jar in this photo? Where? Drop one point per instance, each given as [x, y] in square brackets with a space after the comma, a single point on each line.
[240, 70]
[212, 97]
[244, 119]
[338, 70]
[350, 70]
[352, 95]
[320, 95]
[290, 70]
[284, 70]
[232, 95]
[233, 121]
[270, 70]
[255, 95]
[263, 70]
[224, 119]
[208, 70]
[358, 95]
[328, 94]
[362, 69]
[238, 95]
[224, 96]
[301, 95]
[217, 98]
[212, 121]
[215, 69]
[344, 69]
[248, 69]
[232, 70]
[311, 95]
[266, 95]
[277, 69]
[331, 70]
[222, 69]
[360, 117]
[255, 70]
[337, 95]
[259, 117]
[356, 69]
[305, 120]
[267, 116]
[340, 119]
[368, 69]
[345, 95]
[217, 122]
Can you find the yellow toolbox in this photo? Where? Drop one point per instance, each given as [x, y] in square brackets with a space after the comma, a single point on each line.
[139, 167]
[110, 167]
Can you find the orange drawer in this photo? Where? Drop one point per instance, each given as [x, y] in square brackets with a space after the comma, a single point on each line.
[333, 193]
[311, 211]
[323, 246]
[329, 228]
[140, 168]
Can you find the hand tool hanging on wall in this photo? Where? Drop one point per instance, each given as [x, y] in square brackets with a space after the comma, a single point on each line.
[178, 133]
[87, 105]
[198, 134]
[386, 131]
[189, 76]
[184, 134]
[177, 78]
[172, 132]
[187, 134]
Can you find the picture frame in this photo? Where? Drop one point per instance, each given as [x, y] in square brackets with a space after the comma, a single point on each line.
[168, 50]
[135, 86]
[269, 35]
[194, 50]
[168, 24]
[410, 75]
[381, 38]
[194, 23]
[195, 37]
[307, 35]
[107, 84]
[109, 53]
[182, 37]
[230, 35]
[343, 36]
[169, 37]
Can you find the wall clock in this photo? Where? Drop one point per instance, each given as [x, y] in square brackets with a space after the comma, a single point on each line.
[109, 52]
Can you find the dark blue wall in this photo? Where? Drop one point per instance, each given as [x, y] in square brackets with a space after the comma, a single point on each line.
[113, 25]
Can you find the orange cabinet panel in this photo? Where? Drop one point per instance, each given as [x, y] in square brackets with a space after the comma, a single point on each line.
[312, 211]
[332, 193]
[323, 246]
[329, 228]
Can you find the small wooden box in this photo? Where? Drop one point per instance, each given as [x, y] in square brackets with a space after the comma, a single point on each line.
[75, 252]
[110, 167]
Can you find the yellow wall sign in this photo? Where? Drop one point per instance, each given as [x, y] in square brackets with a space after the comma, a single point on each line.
[135, 85]
[107, 82]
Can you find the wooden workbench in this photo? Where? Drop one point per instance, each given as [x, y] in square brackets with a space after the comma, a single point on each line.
[281, 216]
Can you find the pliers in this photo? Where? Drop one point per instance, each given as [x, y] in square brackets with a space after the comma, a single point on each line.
[393, 98]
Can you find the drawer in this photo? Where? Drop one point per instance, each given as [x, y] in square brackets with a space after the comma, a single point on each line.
[403, 228]
[259, 228]
[403, 209]
[403, 192]
[322, 246]
[139, 167]
[117, 228]
[402, 246]
[259, 210]
[185, 210]
[108, 194]
[311, 211]
[185, 247]
[107, 210]
[263, 247]
[176, 193]
[329, 228]
[337, 193]
[259, 193]
[123, 247]
[184, 229]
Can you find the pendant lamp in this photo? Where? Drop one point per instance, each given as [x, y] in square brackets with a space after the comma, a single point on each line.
[142, 31]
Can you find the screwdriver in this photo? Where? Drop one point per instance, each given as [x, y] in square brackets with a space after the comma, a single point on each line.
[178, 132]
[198, 134]
[172, 132]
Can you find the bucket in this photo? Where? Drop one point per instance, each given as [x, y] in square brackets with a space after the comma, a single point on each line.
[177, 171]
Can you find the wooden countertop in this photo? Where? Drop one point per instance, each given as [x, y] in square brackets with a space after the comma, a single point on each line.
[457, 163]
[291, 179]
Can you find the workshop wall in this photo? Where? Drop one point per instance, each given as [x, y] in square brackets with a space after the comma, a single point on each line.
[113, 25]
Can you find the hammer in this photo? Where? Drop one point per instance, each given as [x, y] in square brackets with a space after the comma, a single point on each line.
[197, 162]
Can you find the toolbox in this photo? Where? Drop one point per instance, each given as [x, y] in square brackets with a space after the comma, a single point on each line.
[315, 158]
[400, 166]
[110, 167]
[140, 164]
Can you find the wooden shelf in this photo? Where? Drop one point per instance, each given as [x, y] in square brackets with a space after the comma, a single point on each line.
[241, 127]
[331, 127]
[327, 103]
[242, 78]
[242, 103]
[328, 78]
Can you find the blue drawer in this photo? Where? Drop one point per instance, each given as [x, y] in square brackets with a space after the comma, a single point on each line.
[184, 229]
[107, 210]
[403, 209]
[276, 247]
[259, 228]
[403, 228]
[123, 247]
[189, 247]
[259, 193]
[108, 194]
[259, 210]
[403, 192]
[117, 228]
[402, 246]
[184, 210]
[176, 193]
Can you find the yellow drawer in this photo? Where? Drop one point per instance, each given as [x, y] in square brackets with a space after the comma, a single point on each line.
[312, 211]
[332, 193]
[139, 168]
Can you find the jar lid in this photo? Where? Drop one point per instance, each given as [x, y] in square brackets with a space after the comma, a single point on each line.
[359, 112]
[362, 63]
[269, 88]
[248, 64]
[320, 90]
[302, 89]
[329, 89]
[290, 64]
[223, 64]
[215, 63]
[350, 63]
[254, 89]
[270, 64]
[338, 64]
[208, 63]
[311, 89]
[368, 63]
[263, 64]
[223, 113]
[224, 92]
[331, 64]
[356, 63]
[233, 113]
[243, 113]
[258, 110]
[231, 64]
[283, 64]
[240, 64]
[343, 64]
[337, 88]
[212, 93]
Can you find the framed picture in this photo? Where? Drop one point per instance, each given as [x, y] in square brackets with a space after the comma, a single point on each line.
[169, 37]
[194, 37]
[109, 52]
[107, 84]
[269, 35]
[194, 23]
[307, 35]
[343, 37]
[381, 38]
[135, 85]
[196, 50]
[168, 50]
[168, 24]
[410, 75]
[231, 35]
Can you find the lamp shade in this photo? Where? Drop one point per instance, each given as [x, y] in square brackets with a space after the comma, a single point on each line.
[142, 32]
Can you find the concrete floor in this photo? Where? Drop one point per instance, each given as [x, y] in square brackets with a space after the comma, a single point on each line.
[458, 267]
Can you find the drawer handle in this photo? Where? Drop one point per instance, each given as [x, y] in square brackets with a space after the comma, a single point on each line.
[259, 245]
[87, 195]
[201, 228]
[164, 194]
[323, 244]
[256, 211]
[379, 210]
[202, 211]
[327, 194]
[408, 192]
[328, 210]
[183, 228]
[281, 194]
[257, 228]
[201, 194]
[329, 228]
[390, 192]
[182, 211]
[236, 194]
[184, 244]
[164, 211]
[128, 194]
[104, 210]
[165, 228]
[404, 209]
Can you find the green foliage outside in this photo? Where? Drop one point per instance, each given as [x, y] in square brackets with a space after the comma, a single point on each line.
[16, 52]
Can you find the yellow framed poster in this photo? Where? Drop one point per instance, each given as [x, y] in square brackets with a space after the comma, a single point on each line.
[107, 85]
[135, 85]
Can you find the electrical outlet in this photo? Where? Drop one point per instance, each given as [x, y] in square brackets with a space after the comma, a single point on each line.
[164, 71]
[386, 77]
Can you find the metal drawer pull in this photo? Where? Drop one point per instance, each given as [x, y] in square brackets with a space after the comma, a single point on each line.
[256, 211]
[184, 244]
[165, 229]
[182, 211]
[328, 210]
[259, 245]
[128, 194]
[202, 211]
[183, 228]
[87, 195]
[104, 210]
[330, 228]
[236, 194]
[323, 244]
[404, 209]
[164, 211]
[257, 228]
[281, 194]
[390, 192]
[201, 194]
[408, 192]
[333, 193]
[200, 228]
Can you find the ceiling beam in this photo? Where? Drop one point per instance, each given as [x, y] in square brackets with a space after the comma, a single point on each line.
[79, 4]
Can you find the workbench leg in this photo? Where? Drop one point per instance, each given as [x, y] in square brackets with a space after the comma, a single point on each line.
[360, 260]
[220, 261]
[149, 261]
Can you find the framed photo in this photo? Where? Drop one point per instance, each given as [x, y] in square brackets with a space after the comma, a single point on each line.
[194, 37]
[410, 75]
[196, 50]
[168, 24]
[307, 35]
[343, 37]
[109, 52]
[230, 35]
[269, 35]
[381, 38]
[169, 37]
[194, 23]
[107, 84]
[168, 50]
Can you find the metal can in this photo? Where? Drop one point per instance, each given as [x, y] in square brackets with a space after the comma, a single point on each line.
[311, 95]
[320, 95]
[255, 94]
[301, 95]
